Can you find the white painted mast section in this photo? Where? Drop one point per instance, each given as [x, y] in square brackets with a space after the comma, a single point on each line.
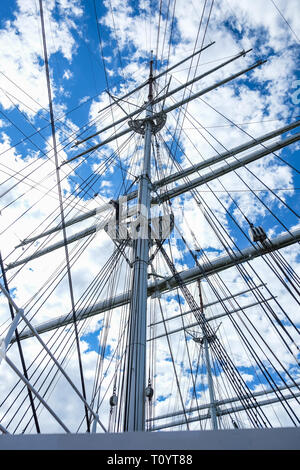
[134, 416]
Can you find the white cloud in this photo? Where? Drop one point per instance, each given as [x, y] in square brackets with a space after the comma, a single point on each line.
[22, 53]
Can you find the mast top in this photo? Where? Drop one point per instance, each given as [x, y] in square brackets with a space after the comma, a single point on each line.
[151, 79]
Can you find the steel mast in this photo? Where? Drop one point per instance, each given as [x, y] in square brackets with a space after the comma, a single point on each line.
[134, 417]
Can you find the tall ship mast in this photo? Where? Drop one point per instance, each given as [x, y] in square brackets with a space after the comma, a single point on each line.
[154, 284]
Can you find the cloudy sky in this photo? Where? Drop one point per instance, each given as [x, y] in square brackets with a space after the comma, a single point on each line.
[101, 47]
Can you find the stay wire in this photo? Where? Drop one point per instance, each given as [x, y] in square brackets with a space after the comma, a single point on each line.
[173, 364]
[62, 209]
[165, 32]
[170, 38]
[38, 131]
